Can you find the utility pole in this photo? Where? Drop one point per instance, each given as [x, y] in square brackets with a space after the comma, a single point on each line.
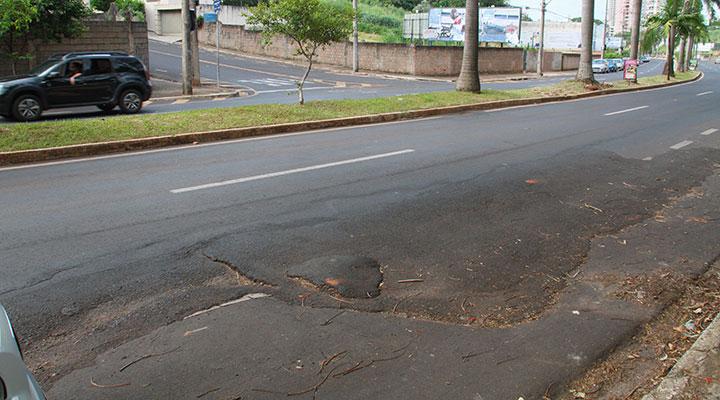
[196, 81]
[635, 32]
[356, 50]
[604, 42]
[186, 56]
[541, 49]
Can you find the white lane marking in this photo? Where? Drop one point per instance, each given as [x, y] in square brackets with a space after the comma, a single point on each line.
[647, 159]
[705, 93]
[709, 132]
[290, 171]
[295, 90]
[681, 144]
[161, 70]
[219, 143]
[627, 111]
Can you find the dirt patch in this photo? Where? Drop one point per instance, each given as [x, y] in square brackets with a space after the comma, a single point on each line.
[635, 369]
[348, 276]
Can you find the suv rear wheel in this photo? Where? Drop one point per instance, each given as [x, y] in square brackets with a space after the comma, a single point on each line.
[27, 107]
[131, 101]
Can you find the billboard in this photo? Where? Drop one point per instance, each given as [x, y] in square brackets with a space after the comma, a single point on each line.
[496, 24]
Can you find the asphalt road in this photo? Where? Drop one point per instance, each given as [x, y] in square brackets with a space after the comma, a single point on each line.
[480, 208]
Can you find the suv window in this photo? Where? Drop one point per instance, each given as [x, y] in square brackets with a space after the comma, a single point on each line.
[128, 64]
[99, 66]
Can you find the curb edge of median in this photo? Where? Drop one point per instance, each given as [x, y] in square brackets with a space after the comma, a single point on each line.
[104, 148]
[677, 379]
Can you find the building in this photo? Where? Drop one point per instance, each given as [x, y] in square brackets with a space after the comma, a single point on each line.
[619, 14]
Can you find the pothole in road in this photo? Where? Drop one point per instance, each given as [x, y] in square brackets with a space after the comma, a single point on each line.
[348, 276]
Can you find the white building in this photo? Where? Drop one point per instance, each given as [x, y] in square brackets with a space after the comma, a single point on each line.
[164, 16]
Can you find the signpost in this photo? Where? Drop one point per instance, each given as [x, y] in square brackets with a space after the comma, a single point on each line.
[631, 67]
[217, 7]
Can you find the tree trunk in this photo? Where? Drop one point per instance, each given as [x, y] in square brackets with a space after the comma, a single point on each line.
[301, 84]
[681, 55]
[635, 35]
[469, 79]
[196, 80]
[690, 49]
[585, 72]
[670, 60]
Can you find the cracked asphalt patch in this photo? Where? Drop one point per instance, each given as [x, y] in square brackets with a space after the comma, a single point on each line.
[494, 250]
[354, 277]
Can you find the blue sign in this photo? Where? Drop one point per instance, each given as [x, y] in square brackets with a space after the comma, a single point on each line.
[217, 5]
[210, 18]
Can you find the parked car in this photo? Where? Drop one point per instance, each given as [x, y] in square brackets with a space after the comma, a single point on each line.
[645, 59]
[619, 64]
[106, 80]
[600, 66]
[16, 382]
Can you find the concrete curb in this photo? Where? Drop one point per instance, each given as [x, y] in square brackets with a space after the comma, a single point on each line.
[94, 149]
[235, 93]
[678, 378]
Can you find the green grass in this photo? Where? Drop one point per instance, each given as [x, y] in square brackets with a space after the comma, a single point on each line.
[657, 79]
[77, 131]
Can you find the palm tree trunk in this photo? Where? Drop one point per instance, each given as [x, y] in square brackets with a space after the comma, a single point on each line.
[689, 56]
[669, 62]
[681, 54]
[469, 79]
[585, 72]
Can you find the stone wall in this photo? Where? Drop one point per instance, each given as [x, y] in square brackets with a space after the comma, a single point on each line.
[99, 36]
[391, 58]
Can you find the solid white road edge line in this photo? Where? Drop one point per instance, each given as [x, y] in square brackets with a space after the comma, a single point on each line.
[289, 172]
[705, 93]
[627, 111]
[709, 132]
[681, 144]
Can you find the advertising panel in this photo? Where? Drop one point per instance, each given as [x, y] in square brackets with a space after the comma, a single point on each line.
[496, 25]
[631, 67]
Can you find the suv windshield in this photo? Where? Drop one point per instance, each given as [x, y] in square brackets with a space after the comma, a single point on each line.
[40, 69]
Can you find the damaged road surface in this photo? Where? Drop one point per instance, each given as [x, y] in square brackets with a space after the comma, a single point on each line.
[474, 256]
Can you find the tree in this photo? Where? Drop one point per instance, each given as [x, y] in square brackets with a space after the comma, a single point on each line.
[310, 24]
[670, 22]
[469, 79]
[24, 20]
[585, 72]
[635, 36]
[15, 19]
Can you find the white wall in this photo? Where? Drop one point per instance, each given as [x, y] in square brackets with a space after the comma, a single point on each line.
[230, 15]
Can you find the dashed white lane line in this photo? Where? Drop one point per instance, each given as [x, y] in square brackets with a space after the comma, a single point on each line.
[705, 93]
[709, 132]
[290, 171]
[647, 159]
[682, 144]
[627, 111]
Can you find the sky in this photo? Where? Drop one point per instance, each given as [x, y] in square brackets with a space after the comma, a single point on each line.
[566, 8]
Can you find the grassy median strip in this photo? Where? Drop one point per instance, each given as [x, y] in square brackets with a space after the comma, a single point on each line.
[92, 130]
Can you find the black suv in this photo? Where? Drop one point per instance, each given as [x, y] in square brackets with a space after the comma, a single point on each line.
[105, 80]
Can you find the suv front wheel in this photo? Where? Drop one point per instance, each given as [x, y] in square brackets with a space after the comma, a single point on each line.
[26, 108]
[131, 101]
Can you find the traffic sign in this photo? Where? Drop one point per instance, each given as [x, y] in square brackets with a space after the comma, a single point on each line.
[217, 5]
[210, 18]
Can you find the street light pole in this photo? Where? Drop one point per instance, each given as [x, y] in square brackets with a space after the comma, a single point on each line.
[356, 50]
[541, 49]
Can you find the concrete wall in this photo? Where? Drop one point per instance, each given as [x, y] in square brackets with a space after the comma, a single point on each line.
[100, 36]
[391, 58]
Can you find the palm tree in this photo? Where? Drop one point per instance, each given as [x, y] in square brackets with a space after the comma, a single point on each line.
[585, 72]
[469, 79]
[670, 22]
[698, 5]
